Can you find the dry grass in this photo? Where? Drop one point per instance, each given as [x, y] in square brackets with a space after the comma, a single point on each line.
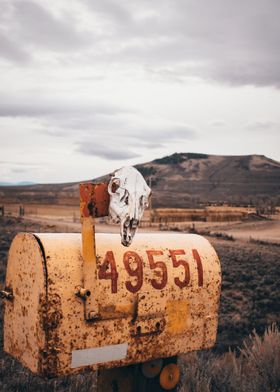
[263, 242]
[253, 368]
[15, 378]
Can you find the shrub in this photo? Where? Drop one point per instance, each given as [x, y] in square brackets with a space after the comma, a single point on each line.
[262, 359]
[254, 368]
[177, 158]
[263, 242]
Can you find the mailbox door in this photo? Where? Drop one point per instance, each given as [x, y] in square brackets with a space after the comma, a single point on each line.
[24, 315]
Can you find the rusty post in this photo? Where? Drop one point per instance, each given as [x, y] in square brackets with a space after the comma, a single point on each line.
[94, 202]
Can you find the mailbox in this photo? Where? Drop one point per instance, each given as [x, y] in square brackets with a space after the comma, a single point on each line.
[155, 299]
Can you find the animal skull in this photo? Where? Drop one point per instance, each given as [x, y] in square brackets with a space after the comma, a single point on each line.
[129, 194]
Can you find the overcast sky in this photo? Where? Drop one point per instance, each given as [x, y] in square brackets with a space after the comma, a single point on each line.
[88, 86]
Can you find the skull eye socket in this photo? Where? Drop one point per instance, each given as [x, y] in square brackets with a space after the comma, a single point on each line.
[125, 197]
[115, 185]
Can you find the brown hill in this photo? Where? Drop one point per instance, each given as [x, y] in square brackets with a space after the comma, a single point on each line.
[188, 179]
[180, 180]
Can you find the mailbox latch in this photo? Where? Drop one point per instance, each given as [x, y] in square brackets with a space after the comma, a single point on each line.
[150, 315]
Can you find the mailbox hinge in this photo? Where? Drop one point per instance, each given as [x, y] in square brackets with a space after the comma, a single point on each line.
[7, 294]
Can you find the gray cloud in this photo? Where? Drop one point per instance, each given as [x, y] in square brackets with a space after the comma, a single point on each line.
[21, 167]
[33, 26]
[263, 126]
[166, 134]
[62, 63]
[20, 170]
[150, 144]
[103, 133]
[105, 151]
[42, 29]
[26, 165]
[11, 51]
[219, 123]
[121, 131]
[110, 145]
[111, 10]
[60, 118]
[230, 42]
[29, 106]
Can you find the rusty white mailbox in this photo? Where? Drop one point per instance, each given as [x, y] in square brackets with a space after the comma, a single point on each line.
[155, 299]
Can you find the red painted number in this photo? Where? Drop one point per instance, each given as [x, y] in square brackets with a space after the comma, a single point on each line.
[177, 263]
[130, 259]
[108, 270]
[199, 267]
[157, 265]
[133, 264]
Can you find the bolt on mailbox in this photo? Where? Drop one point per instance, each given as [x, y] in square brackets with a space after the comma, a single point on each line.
[116, 306]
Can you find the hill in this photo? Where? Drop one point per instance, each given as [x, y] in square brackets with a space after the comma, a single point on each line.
[180, 180]
[189, 179]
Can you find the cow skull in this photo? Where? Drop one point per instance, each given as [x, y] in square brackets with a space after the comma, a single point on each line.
[129, 194]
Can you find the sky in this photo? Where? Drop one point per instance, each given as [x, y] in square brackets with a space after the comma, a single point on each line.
[89, 86]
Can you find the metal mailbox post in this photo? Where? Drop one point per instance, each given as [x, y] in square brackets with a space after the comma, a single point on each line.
[75, 302]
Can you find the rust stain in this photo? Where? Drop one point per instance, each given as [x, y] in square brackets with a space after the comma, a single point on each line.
[51, 316]
[178, 313]
[94, 200]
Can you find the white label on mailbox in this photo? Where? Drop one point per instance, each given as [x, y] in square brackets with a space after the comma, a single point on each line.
[92, 356]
